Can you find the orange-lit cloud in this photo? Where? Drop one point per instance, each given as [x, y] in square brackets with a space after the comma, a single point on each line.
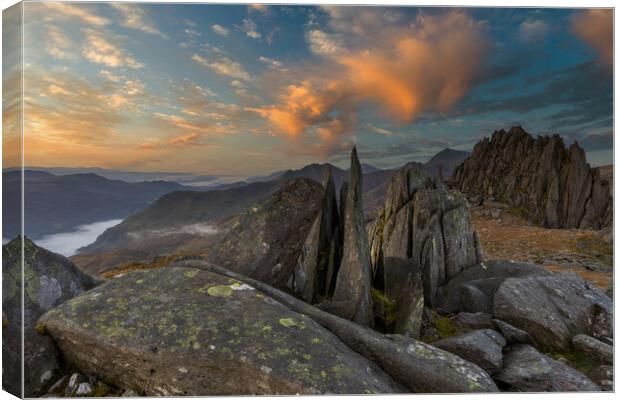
[424, 67]
[596, 28]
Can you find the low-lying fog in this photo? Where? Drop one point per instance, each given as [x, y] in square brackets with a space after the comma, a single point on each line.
[67, 243]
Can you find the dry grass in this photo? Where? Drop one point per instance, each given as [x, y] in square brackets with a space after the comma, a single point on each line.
[511, 237]
[156, 262]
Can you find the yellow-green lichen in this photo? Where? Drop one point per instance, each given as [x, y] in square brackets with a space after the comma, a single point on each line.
[220, 291]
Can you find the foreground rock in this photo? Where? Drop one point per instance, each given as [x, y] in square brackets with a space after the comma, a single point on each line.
[482, 279]
[417, 366]
[266, 241]
[553, 186]
[422, 238]
[351, 298]
[183, 331]
[527, 370]
[482, 347]
[594, 348]
[50, 279]
[553, 309]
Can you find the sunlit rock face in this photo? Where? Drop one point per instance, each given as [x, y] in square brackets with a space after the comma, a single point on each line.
[552, 185]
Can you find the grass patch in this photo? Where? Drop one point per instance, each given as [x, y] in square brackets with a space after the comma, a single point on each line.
[389, 306]
[446, 327]
[576, 359]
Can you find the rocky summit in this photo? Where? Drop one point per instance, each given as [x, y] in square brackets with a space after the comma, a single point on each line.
[49, 280]
[553, 186]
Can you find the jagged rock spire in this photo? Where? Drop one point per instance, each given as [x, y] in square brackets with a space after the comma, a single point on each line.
[319, 258]
[352, 298]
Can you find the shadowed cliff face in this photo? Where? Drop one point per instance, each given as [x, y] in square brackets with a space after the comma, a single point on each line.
[553, 185]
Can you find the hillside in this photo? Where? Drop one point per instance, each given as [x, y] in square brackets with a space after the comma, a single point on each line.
[56, 204]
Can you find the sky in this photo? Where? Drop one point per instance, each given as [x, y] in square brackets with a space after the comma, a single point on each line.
[250, 89]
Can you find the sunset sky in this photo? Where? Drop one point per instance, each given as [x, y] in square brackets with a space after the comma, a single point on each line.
[245, 90]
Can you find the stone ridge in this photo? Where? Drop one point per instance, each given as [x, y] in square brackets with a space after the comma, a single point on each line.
[553, 186]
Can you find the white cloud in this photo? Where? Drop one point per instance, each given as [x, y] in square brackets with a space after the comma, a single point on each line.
[224, 66]
[250, 29]
[134, 17]
[220, 30]
[270, 62]
[322, 43]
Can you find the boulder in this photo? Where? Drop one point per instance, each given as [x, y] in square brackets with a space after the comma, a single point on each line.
[49, 280]
[422, 238]
[512, 334]
[472, 321]
[316, 268]
[552, 185]
[482, 279]
[352, 299]
[266, 241]
[482, 347]
[527, 370]
[552, 309]
[184, 331]
[417, 366]
[594, 348]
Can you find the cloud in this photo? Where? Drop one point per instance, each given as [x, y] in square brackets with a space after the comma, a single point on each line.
[101, 51]
[258, 7]
[323, 44]
[134, 17]
[250, 29]
[381, 131]
[70, 11]
[407, 70]
[58, 44]
[271, 63]
[595, 28]
[533, 30]
[220, 30]
[223, 66]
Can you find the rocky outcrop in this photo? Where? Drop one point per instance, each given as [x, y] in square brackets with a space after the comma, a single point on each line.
[185, 331]
[553, 186]
[316, 269]
[482, 347]
[266, 241]
[49, 280]
[553, 309]
[417, 366]
[527, 370]
[351, 298]
[422, 238]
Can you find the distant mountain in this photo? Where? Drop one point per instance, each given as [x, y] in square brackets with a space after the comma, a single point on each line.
[56, 204]
[136, 176]
[448, 159]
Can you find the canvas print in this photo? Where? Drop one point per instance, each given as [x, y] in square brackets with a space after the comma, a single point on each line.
[254, 199]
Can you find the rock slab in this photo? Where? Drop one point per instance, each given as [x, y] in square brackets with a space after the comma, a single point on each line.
[185, 331]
